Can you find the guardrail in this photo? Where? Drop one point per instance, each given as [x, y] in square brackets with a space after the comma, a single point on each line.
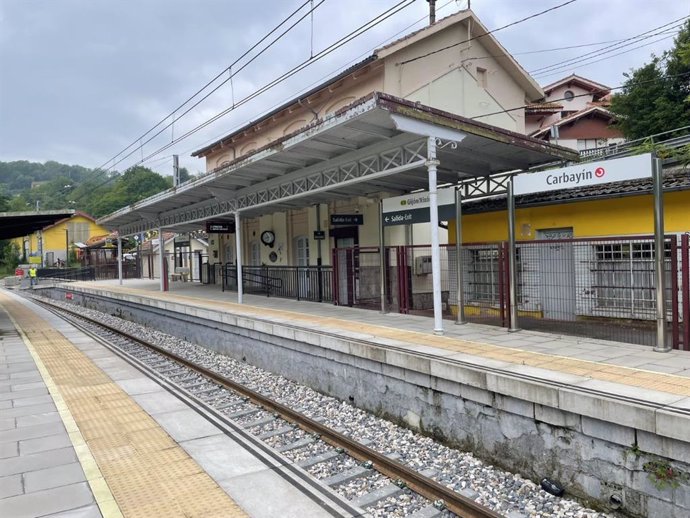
[630, 147]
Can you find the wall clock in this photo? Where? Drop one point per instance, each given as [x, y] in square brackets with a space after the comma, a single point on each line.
[268, 238]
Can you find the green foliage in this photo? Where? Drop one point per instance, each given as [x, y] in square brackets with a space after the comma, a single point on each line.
[663, 475]
[59, 186]
[9, 257]
[134, 185]
[679, 154]
[656, 96]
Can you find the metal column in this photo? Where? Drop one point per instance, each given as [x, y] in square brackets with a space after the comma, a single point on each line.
[382, 258]
[431, 164]
[659, 257]
[119, 259]
[161, 259]
[512, 263]
[460, 295]
[238, 262]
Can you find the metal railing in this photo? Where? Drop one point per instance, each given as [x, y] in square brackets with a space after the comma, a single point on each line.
[313, 283]
[67, 274]
[630, 147]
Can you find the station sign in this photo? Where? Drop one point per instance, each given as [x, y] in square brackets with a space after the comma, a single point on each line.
[319, 235]
[181, 240]
[220, 227]
[591, 173]
[347, 219]
[414, 208]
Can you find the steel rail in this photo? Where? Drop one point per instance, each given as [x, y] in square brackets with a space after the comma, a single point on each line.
[425, 486]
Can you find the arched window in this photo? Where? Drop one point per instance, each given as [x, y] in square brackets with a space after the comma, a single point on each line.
[255, 253]
[302, 251]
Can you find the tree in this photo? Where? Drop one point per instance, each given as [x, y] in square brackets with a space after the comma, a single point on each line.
[134, 185]
[656, 97]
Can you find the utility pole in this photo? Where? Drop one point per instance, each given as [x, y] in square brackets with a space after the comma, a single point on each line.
[176, 170]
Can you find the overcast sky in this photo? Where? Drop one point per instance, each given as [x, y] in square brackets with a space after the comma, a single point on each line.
[82, 79]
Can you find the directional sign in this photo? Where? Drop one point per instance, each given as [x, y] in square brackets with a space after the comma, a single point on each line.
[414, 208]
[592, 173]
[347, 219]
[220, 227]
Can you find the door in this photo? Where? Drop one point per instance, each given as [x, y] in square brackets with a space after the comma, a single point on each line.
[557, 273]
[302, 261]
[345, 295]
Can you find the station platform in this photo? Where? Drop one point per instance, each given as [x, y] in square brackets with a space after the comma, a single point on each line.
[84, 434]
[609, 412]
[629, 364]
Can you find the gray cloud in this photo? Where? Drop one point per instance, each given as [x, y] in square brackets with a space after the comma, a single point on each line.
[80, 79]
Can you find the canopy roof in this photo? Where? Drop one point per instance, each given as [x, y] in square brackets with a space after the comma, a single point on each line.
[19, 224]
[377, 144]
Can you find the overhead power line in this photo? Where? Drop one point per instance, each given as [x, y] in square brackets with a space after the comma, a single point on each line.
[380, 18]
[612, 48]
[314, 83]
[619, 87]
[516, 22]
[328, 50]
[318, 56]
[103, 170]
[226, 69]
[548, 74]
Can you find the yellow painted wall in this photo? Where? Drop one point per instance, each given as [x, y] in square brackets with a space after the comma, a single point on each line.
[54, 237]
[629, 215]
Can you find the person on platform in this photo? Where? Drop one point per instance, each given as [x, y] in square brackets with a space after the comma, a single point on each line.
[32, 275]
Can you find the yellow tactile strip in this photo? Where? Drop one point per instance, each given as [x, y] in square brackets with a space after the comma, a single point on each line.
[135, 469]
[630, 376]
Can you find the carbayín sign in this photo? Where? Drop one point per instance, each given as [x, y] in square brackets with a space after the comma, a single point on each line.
[592, 173]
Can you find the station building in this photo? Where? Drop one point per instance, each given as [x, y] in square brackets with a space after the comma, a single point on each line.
[56, 241]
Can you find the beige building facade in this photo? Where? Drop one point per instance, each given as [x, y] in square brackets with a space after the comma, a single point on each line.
[453, 65]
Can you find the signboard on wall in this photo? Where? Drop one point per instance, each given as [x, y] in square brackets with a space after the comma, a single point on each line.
[591, 173]
[414, 208]
[347, 219]
[220, 227]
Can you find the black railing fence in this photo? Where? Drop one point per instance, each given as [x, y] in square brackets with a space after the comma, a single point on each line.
[67, 274]
[313, 283]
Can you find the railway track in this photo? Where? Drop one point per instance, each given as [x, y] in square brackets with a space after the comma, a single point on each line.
[277, 430]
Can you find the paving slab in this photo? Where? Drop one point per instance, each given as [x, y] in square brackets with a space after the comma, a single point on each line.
[45, 444]
[53, 477]
[26, 463]
[184, 425]
[41, 503]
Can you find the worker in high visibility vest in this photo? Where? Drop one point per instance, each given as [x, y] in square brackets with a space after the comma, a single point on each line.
[32, 275]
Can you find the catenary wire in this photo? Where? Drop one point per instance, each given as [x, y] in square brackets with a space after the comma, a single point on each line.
[610, 48]
[220, 74]
[313, 84]
[103, 170]
[328, 50]
[516, 22]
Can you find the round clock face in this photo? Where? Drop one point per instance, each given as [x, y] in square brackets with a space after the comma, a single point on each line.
[267, 237]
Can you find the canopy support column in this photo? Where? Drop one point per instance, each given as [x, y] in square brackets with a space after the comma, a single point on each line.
[662, 345]
[161, 260]
[512, 263]
[238, 262]
[119, 259]
[460, 295]
[432, 164]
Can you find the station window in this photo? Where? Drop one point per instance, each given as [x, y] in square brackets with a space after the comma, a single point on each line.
[568, 95]
[302, 251]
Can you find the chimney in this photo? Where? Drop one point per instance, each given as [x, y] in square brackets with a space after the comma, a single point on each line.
[432, 11]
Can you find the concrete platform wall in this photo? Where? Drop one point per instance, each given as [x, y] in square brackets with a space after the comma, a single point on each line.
[611, 452]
